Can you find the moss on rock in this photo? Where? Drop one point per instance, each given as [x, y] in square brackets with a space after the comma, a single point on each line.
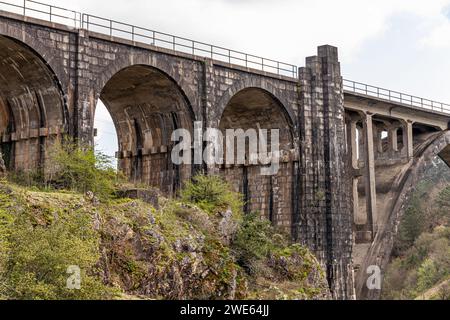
[127, 249]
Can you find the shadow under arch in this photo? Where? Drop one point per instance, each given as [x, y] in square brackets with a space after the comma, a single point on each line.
[380, 252]
[263, 85]
[273, 196]
[145, 60]
[33, 109]
[146, 106]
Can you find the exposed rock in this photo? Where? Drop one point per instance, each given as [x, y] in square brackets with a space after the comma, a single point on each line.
[227, 227]
[147, 195]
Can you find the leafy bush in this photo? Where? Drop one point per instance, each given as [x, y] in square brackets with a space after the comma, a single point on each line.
[6, 220]
[427, 275]
[424, 265]
[38, 254]
[212, 194]
[79, 168]
[415, 220]
[255, 239]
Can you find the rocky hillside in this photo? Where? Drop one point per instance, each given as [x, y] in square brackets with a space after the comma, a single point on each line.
[149, 247]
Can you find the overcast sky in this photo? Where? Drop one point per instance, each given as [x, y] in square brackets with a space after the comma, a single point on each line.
[399, 44]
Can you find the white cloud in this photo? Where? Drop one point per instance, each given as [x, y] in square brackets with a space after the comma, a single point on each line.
[286, 30]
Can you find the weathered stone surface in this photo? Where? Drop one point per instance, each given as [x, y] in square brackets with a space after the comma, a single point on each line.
[51, 78]
[146, 195]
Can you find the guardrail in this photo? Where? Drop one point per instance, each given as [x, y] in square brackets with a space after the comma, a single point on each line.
[45, 11]
[134, 33]
[169, 41]
[395, 96]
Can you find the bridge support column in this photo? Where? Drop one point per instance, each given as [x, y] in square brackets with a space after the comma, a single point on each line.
[408, 143]
[325, 222]
[85, 95]
[352, 131]
[393, 139]
[370, 183]
[379, 138]
[352, 137]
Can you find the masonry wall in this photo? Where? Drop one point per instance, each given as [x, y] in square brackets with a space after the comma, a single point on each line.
[310, 195]
[325, 198]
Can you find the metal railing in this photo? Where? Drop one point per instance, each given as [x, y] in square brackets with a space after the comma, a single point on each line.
[395, 96]
[160, 39]
[44, 11]
[169, 41]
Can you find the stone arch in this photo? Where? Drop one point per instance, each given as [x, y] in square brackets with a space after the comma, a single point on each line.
[33, 105]
[380, 252]
[48, 54]
[144, 59]
[146, 106]
[270, 195]
[262, 84]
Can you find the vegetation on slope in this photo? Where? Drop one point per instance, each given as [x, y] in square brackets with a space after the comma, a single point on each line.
[420, 267]
[200, 246]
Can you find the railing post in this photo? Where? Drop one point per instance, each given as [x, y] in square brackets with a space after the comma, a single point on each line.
[132, 33]
[50, 13]
[110, 28]
[229, 56]
[174, 41]
[278, 67]
[246, 60]
[24, 7]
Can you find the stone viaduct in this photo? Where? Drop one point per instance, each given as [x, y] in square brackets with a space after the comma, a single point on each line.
[350, 152]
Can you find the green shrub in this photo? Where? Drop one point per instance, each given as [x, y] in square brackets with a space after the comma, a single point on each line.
[30, 178]
[212, 194]
[38, 258]
[414, 221]
[6, 221]
[255, 239]
[421, 267]
[79, 168]
[427, 275]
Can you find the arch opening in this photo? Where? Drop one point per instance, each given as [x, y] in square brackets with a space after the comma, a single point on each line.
[146, 106]
[270, 195]
[32, 107]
